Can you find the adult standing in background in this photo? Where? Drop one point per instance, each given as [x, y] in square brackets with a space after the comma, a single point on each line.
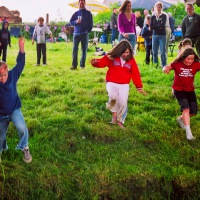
[139, 19]
[83, 23]
[171, 22]
[158, 22]
[146, 13]
[191, 26]
[168, 33]
[127, 23]
[113, 24]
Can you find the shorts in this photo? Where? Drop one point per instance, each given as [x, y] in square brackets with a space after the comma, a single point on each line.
[187, 100]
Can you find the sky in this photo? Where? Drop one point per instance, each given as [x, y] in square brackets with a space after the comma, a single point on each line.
[58, 10]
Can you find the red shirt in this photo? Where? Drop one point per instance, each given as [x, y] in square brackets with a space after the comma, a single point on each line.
[184, 76]
[120, 74]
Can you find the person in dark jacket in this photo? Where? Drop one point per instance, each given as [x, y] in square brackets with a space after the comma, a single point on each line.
[4, 39]
[171, 22]
[191, 26]
[83, 23]
[158, 23]
[147, 35]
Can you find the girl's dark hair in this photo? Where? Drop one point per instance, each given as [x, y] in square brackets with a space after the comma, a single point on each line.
[185, 53]
[120, 48]
[184, 42]
[122, 8]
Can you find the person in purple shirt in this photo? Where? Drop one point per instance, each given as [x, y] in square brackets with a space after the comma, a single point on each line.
[10, 104]
[127, 23]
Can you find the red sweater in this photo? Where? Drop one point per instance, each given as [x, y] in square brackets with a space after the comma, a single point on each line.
[118, 74]
[184, 76]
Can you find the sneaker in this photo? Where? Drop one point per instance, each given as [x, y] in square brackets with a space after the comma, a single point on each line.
[189, 135]
[36, 65]
[82, 67]
[180, 121]
[73, 67]
[27, 155]
[44, 65]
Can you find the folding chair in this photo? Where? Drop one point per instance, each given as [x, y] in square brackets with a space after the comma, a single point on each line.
[172, 44]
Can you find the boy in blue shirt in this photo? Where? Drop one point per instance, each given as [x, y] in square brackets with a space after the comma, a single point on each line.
[10, 104]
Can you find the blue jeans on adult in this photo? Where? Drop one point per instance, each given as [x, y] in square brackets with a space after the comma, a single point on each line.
[83, 38]
[159, 41]
[131, 38]
[114, 34]
[18, 120]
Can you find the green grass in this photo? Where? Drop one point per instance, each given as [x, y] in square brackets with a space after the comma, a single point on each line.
[77, 155]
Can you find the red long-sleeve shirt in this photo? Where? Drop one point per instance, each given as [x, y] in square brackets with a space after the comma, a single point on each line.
[120, 74]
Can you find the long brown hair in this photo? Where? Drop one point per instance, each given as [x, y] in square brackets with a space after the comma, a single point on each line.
[122, 8]
[120, 48]
[185, 53]
[184, 42]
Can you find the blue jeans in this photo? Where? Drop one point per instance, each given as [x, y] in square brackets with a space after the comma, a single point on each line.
[84, 46]
[159, 40]
[131, 38]
[114, 34]
[18, 120]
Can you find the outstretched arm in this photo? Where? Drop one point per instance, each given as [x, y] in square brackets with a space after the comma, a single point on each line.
[166, 69]
[21, 44]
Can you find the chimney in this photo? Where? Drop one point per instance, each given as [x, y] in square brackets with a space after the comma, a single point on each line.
[47, 18]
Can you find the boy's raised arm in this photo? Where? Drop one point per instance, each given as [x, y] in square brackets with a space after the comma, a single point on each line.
[21, 44]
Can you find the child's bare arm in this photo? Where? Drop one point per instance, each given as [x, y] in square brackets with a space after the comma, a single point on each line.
[166, 69]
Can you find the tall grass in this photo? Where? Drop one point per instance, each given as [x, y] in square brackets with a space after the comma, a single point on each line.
[78, 155]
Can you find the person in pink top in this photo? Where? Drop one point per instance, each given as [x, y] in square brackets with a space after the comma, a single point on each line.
[185, 66]
[122, 68]
[127, 23]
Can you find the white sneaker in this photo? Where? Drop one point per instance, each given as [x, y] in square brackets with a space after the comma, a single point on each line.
[27, 155]
[180, 121]
[189, 135]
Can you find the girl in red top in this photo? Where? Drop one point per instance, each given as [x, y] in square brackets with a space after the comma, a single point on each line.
[121, 69]
[185, 67]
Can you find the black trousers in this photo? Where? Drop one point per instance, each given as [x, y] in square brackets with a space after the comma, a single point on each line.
[196, 43]
[148, 53]
[41, 52]
[3, 48]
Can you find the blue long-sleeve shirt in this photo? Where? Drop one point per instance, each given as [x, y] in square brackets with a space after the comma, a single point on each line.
[86, 24]
[147, 35]
[9, 99]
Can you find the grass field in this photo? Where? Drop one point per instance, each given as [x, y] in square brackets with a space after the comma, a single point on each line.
[78, 155]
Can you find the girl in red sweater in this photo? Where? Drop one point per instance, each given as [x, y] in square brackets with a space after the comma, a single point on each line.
[121, 69]
[185, 66]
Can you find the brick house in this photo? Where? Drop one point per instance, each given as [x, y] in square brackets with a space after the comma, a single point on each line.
[12, 16]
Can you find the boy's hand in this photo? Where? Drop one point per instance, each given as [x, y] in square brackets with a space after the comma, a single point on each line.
[21, 42]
